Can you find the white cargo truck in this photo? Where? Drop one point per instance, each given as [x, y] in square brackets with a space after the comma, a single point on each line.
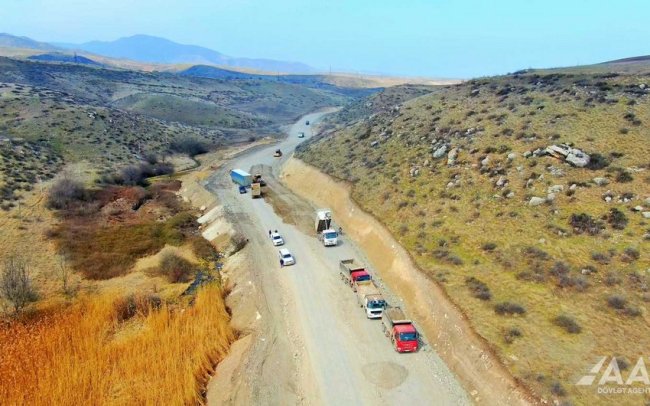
[324, 230]
[369, 297]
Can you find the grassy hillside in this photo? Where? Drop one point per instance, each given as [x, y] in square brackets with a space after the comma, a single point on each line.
[549, 261]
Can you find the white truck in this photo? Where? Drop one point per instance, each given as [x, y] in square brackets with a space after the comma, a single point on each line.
[369, 297]
[324, 230]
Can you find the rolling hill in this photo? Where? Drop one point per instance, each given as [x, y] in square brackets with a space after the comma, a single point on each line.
[538, 249]
[12, 41]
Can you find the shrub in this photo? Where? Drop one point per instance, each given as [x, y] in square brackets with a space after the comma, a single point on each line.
[557, 389]
[600, 258]
[129, 306]
[478, 288]
[189, 146]
[510, 334]
[617, 302]
[584, 223]
[489, 246]
[16, 283]
[64, 193]
[509, 308]
[597, 162]
[568, 323]
[624, 177]
[617, 219]
[239, 242]
[177, 269]
[630, 254]
[202, 248]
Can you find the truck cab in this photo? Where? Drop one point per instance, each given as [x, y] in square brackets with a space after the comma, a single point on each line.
[330, 237]
[405, 338]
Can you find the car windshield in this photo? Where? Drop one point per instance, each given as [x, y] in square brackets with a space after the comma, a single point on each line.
[376, 304]
[286, 256]
[277, 237]
[408, 336]
[363, 278]
[331, 235]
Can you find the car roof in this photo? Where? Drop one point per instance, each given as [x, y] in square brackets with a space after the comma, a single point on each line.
[276, 235]
[284, 251]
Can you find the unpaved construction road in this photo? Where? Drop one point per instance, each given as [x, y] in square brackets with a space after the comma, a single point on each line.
[308, 341]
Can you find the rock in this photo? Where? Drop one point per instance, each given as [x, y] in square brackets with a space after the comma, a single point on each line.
[510, 195]
[573, 187]
[501, 181]
[451, 156]
[555, 171]
[527, 154]
[202, 208]
[601, 181]
[608, 199]
[450, 184]
[638, 208]
[440, 152]
[578, 158]
[642, 86]
[530, 182]
[646, 214]
[550, 197]
[536, 201]
[512, 156]
[586, 271]
[374, 143]
[556, 189]
[647, 201]
[426, 163]
[485, 161]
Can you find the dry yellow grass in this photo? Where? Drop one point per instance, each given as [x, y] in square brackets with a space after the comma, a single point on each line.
[84, 355]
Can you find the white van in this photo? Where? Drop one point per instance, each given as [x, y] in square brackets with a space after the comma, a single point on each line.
[286, 258]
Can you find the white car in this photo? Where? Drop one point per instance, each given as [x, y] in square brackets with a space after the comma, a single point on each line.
[301, 135]
[277, 239]
[286, 258]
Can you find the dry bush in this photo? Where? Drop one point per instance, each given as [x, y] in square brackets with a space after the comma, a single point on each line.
[16, 284]
[568, 323]
[509, 308]
[65, 193]
[74, 356]
[176, 269]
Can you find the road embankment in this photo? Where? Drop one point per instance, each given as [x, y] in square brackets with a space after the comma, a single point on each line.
[446, 329]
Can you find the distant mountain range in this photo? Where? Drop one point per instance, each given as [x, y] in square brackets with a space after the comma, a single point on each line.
[12, 41]
[61, 57]
[145, 48]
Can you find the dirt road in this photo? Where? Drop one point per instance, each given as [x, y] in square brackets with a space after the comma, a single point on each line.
[310, 342]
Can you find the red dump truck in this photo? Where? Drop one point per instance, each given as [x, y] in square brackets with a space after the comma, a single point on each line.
[352, 272]
[400, 330]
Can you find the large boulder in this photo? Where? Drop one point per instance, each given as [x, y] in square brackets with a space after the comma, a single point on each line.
[536, 201]
[577, 158]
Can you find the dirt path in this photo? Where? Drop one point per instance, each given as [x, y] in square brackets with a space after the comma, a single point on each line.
[445, 327]
[305, 339]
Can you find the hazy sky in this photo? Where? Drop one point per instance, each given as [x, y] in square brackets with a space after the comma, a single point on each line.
[435, 38]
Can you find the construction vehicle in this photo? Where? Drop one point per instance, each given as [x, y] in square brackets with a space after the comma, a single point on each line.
[353, 273]
[257, 178]
[369, 297]
[400, 330]
[277, 153]
[326, 234]
[242, 178]
[256, 190]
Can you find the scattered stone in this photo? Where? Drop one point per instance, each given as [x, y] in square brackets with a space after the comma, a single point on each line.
[647, 201]
[374, 143]
[527, 154]
[485, 161]
[451, 156]
[573, 187]
[586, 271]
[440, 152]
[638, 208]
[501, 181]
[550, 197]
[646, 214]
[510, 195]
[571, 155]
[608, 199]
[536, 201]
[556, 189]
[601, 181]
[512, 156]
[450, 184]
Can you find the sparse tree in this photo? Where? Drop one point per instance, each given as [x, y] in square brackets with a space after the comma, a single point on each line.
[63, 272]
[16, 284]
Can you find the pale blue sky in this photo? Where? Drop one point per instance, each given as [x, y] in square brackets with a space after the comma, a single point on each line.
[435, 38]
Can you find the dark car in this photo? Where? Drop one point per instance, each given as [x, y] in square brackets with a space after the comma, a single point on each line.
[307, 122]
[242, 189]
